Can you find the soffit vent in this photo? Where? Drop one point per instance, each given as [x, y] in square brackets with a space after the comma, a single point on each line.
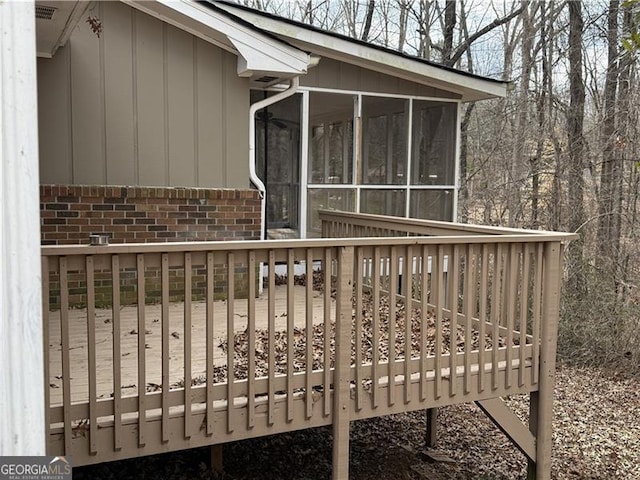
[44, 13]
[266, 79]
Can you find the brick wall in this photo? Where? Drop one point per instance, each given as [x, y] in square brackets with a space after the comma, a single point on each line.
[70, 213]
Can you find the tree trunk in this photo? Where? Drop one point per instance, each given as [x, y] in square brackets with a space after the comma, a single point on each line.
[518, 177]
[402, 24]
[575, 122]
[367, 22]
[608, 203]
[449, 26]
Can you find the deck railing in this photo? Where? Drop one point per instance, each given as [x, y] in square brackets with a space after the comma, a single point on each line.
[374, 325]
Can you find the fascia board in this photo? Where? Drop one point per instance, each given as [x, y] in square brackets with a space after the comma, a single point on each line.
[259, 52]
[469, 88]
[75, 17]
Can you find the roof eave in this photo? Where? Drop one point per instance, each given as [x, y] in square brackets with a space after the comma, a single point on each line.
[258, 53]
[466, 87]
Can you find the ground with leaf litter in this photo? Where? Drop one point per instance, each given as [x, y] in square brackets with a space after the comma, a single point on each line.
[596, 436]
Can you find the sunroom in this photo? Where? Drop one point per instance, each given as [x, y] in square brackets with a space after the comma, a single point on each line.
[355, 151]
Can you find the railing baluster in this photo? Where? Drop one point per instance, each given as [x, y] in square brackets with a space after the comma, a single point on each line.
[437, 273]
[495, 313]
[326, 352]
[66, 363]
[408, 297]
[142, 351]
[187, 344]
[91, 354]
[482, 316]
[454, 266]
[524, 310]
[231, 344]
[358, 330]
[251, 330]
[309, 333]
[393, 289]
[424, 300]
[537, 306]
[290, 330]
[117, 355]
[271, 333]
[375, 334]
[209, 342]
[165, 347]
[511, 300]
[469, 297]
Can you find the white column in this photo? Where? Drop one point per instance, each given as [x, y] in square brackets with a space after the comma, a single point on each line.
[21, 355]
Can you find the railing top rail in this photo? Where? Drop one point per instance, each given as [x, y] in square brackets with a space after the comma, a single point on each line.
[243, 245]
[384, 221]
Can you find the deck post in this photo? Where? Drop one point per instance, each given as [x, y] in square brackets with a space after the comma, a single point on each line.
[533, 428]
[552, 272]
[342, 371]
[217, 462]
[431, 434]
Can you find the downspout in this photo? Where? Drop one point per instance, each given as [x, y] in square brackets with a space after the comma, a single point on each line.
[253, 176]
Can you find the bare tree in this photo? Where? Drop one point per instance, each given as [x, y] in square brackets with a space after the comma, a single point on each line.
[611, 169]
[575, 122]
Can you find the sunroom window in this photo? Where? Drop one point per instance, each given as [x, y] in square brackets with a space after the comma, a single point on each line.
[434, 143]
[384, 157]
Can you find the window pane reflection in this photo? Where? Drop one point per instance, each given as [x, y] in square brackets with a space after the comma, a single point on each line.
[383, 202]
[384, 140]
[432, 205]
[433, 143]
[327, 199]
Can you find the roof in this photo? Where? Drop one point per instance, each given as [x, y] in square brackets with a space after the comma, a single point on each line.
[385, 60]
[276, 48]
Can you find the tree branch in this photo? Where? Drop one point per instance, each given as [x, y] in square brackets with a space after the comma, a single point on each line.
[483, 31]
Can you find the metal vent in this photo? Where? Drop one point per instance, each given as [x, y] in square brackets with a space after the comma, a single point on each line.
[266, 79]
[44, 13]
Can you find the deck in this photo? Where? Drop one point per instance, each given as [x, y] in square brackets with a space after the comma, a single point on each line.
[390, 315]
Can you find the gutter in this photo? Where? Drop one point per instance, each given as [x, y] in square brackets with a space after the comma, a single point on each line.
[253, 176]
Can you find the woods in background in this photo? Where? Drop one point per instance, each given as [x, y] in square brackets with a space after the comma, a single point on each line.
[561, 152]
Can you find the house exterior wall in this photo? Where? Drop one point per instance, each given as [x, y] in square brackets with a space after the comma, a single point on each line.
[142, 104]
[69, 214]
[334, 74]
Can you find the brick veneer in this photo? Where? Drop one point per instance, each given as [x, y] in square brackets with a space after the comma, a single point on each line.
[70, 213]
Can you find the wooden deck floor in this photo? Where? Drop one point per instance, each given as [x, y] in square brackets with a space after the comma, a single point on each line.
[129, 341]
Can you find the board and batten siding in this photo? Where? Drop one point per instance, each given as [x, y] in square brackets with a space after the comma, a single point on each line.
[334, 74]
[143, 104]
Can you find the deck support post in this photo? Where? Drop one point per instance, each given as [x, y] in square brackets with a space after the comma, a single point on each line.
[543, 401]
[431, 434]
[342, 371]
[533, 428]
[217, 464]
